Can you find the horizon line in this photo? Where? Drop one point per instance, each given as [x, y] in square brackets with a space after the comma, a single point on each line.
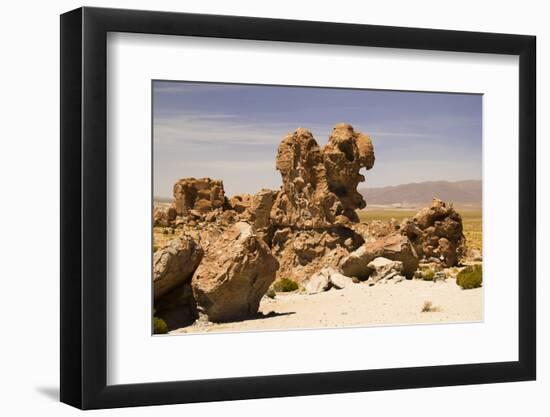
[158, 197]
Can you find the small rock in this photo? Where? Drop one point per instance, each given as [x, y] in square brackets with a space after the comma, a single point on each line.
[384, 269]
[340, 281]
[475, 255]
[398, 278]
[318, 282]
[439, 276]
[211, 216]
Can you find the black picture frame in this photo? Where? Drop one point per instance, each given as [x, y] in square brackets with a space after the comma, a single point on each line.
[84, 207]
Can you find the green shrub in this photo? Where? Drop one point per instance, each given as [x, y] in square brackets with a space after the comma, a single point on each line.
[285, 285]
[470, 277]
[428, 274]
[159, 326]
[270, 293]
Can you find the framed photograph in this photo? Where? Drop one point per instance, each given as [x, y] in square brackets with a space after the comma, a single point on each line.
[258, 208]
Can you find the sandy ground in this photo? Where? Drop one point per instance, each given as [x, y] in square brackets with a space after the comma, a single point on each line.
[360, 305]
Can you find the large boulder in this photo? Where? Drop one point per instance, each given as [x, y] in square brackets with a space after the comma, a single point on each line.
[258, 209]
[174, 264]
[395, 247]
[355, 264]
[436, 232]
[236, 271]
[200, 195]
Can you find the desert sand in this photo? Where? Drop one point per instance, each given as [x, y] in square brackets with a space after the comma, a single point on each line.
[359, 305]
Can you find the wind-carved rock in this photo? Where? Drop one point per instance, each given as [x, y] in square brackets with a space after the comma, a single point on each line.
[314, 212]
[344, 155]
[302, 253]
[320, 185]
[305, 201]
[436, 233]
[201, 195]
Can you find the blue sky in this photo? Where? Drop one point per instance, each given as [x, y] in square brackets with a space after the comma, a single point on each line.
[231, 132]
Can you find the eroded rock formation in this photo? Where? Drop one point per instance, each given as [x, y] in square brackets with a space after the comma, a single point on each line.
[344, 155]
[436, 233]
[305, 201]
[320, 185]
[304, 252]
[200, 195]
[314, 212]
[231, 250]
[234, 274]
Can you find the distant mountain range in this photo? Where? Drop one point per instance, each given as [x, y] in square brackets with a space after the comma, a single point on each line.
[458, 192]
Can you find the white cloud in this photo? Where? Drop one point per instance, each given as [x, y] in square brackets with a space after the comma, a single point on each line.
[189, 128]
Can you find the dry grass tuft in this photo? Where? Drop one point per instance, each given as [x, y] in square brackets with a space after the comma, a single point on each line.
[428, 307]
